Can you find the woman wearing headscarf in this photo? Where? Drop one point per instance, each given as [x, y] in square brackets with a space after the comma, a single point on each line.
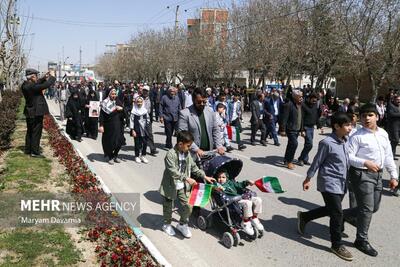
[91, 123]
[73, 113]
[138, 122]
[111, 118]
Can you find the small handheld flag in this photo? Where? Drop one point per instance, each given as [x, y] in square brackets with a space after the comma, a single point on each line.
[200, 195]
[269, 185]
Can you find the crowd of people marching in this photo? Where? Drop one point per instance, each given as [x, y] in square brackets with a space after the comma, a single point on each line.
[210, 119]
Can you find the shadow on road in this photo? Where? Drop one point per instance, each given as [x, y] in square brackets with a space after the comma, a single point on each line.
[287, 228]
[128, 148]
[298, 202]
[96, 157]
[155, 222]
[154, 196]
[100, 157]
[271, 160]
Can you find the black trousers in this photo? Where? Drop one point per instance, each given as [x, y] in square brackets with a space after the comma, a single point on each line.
[33, 134]
[140, 146]
[156, 110]
[169, 127]
[255, 127]
[150, 138]
[333, 209]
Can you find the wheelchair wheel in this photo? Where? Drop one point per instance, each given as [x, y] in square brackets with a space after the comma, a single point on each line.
[202, 222]
[236, 239]
[227, 240]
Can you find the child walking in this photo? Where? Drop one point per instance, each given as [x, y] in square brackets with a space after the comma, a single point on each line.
[332, 163]
[139, 120]
[220, 116]
[177, 181]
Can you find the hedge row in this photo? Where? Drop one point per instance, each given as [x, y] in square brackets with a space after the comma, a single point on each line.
[8, 115]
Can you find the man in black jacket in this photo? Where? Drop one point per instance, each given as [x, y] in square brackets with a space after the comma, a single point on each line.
[257, 119]
[310, 119]
[292, 124]
[35, 108]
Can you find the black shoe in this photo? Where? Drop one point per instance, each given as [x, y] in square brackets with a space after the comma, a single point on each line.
[366, 248]
[306, 163]
[253, 143]
[34, 155]
[263, 143]
[277, 144]
[79, 140]
[154, 152]
[301, 224]
[241, 147]
[229, 149]
[300, 163]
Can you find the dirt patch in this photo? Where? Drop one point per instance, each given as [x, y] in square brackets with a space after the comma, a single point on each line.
[87, 248]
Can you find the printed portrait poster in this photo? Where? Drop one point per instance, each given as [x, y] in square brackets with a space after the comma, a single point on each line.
[94, 109]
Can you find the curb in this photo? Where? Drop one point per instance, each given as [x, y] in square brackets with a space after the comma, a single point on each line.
[154, 252]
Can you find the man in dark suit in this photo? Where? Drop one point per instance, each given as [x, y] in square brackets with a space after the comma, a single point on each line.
[257, 119]
[273, 107]
[35, 108]
[292, 123]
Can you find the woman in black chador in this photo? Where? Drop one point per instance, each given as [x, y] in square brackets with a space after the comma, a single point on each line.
[73, 113]
[111, 119]
[91, 123]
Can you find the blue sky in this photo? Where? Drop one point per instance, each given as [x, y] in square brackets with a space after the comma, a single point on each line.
[54, 26]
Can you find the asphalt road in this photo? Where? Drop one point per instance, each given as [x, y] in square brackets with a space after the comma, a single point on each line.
[281, 245]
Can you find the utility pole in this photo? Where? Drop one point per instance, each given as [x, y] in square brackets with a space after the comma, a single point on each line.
[175, 33]
[80, 59]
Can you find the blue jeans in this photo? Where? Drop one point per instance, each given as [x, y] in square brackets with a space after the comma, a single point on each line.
[271, 129]
[308, 143]
[291, 146]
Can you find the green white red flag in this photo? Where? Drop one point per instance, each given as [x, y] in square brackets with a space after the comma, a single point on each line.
[200, 195]
[233, 133]
[269, 185]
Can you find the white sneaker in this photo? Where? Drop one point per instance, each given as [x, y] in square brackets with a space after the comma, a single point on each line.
[256, 222]
[248, 228]
[143, 159]
[167, 228]
[184, 229]
[137, 160]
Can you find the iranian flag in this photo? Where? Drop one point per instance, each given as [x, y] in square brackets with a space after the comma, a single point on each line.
[269, 185]
[233, 133]
[200, 195]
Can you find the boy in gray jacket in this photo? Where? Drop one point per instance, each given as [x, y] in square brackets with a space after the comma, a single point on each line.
[332, 163]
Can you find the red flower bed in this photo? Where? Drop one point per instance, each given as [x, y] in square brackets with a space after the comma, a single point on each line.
[116, 244]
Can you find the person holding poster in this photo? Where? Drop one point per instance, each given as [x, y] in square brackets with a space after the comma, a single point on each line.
[92, 114]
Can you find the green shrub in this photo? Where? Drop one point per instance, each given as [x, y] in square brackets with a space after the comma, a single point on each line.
[8, 115]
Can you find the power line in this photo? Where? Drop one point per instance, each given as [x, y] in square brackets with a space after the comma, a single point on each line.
[94, 24]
